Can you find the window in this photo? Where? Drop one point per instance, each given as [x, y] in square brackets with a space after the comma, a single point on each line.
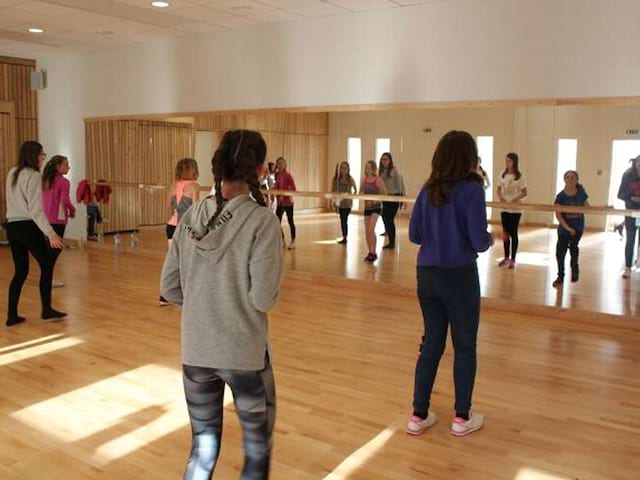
[567, 160]
[354, 158]
[485, 152]
[382, 145]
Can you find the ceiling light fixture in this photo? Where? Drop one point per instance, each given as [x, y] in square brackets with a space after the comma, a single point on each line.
[36, 30]
[160, 4]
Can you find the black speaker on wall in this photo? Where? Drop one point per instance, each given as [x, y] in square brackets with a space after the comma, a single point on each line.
[38, 80]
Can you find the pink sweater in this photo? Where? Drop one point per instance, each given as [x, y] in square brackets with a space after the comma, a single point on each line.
[57, 204]
[284, 181]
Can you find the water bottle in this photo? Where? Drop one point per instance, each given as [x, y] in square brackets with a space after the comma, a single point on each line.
[117, 242]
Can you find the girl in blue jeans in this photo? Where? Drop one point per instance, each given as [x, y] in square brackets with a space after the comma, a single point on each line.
[449, 222]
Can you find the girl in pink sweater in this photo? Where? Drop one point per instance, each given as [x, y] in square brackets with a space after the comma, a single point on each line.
[284, 181]
[57, 204]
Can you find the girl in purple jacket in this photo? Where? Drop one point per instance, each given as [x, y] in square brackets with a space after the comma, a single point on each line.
[449, 222]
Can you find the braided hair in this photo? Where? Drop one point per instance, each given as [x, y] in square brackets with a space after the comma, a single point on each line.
[238, 157]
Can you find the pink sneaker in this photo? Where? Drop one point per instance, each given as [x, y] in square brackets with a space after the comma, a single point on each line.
[461, 427]
[505, 262]
[417, 425]
[512, 264]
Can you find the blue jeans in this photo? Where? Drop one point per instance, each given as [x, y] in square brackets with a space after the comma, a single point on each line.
[630, 248]
[447, 297]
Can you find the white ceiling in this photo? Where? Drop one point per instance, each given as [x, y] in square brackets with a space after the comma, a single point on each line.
[76, 25]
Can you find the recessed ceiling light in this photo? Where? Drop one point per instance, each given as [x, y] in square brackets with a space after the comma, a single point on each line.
[36, 30]
[160, 4]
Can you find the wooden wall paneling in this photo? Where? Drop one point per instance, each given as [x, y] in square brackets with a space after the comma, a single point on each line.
[317, 172]
[216, 121]
[8, 151]
[27, 129]
[296, 153]
[15, 87]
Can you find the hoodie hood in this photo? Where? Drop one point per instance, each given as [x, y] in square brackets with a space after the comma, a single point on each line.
[214, 242]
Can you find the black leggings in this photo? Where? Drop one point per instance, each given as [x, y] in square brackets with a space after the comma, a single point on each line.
[389, 211]
[54, 253]
[510, 222]
[25, 237]
[289, 210]
[254, 395]
[344, 220]
[568, 242]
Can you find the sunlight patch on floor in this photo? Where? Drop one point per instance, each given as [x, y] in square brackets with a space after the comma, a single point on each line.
[35, 348]
[120, 414]
[361, 456]
[527, 473]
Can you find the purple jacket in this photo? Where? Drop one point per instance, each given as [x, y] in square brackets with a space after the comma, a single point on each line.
[451, 236]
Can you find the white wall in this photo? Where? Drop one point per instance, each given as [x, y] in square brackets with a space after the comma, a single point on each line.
[206, 143]
[60, 125]
[438, 51]
[445, 50]
[532, 132]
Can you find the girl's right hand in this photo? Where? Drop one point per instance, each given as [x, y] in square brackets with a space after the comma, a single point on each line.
[55, 241]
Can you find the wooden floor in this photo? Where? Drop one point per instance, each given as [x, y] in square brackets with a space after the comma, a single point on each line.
[100, 396]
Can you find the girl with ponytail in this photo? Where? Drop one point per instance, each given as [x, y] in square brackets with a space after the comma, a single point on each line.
[225, 268]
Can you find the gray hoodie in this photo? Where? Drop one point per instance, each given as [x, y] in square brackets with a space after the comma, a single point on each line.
[226, 279]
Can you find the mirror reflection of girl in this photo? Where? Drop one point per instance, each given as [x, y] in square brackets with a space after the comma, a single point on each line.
[57, 203]
[629, 192]
[371, 184]
[184, 193]
[511, 189]
[284, 181]
[571, 225]
[394, 184]
[343, 182]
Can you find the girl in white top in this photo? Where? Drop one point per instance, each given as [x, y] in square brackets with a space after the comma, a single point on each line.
[512, 188]
[29, 231]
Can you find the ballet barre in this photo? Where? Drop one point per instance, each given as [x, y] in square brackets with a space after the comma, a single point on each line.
[536, 207]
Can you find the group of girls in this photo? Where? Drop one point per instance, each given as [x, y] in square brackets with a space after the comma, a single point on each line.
[385, 180]
[38, 208]
[513, 189]
[225, 299]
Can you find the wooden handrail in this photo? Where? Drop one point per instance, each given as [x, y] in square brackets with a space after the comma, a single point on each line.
[537, 207]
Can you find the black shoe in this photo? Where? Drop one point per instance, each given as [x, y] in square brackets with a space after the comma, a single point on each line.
[52, 314]
[618, 229]
[372, 257]
[575, 275]
[163, 302]
[558, 282]
[389, 246]
[14, 321]
[343, 241]
[383, 234]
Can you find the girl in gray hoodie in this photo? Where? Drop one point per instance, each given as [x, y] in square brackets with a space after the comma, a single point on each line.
[225, 268]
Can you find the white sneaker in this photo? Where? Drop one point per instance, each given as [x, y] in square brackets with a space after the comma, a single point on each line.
[57, 284]
[292, 246]
[461, 427]
[626, 273]
[417, 425]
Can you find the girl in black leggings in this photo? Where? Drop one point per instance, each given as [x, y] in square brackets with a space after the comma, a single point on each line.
[27, 226]
[343, 182]
[511, 189]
